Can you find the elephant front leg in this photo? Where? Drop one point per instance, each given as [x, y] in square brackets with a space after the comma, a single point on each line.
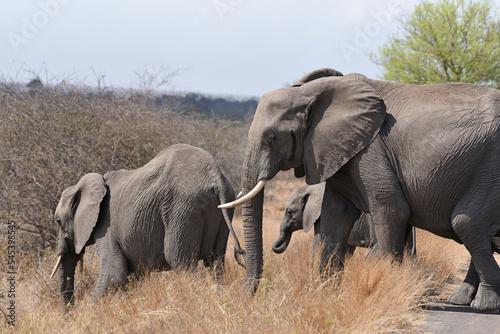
[390, 213]
[113, 268]
[337, 219]
[467, 291]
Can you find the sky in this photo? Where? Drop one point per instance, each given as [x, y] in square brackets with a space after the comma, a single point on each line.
[222, 47]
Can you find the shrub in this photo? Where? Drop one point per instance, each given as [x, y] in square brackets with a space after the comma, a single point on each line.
[50, 137]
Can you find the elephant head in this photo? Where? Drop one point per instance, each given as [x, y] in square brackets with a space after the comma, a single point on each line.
[303, 209]
[76, 215]
[315, 127]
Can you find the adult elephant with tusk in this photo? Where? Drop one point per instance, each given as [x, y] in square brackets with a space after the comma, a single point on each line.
[423, 155]
[160, 216]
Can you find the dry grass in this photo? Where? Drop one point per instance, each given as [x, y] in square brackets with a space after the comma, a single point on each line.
[371, 296]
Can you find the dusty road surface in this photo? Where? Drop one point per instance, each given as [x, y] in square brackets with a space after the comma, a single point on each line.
[444, 317]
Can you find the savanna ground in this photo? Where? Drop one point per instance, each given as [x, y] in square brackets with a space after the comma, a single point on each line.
[50, 138]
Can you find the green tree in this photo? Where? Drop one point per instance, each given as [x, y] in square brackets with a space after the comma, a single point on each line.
[445, 41]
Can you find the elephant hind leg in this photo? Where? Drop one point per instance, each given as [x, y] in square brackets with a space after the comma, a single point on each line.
[350, 250]
[216, 260]
[467, 291]
[477, 241]
[465, 294]
[182, 246]
[488, 294]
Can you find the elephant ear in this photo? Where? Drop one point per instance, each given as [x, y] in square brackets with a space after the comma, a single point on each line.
[312, 205]
[321, 73]
[343, 117]
[90, 191]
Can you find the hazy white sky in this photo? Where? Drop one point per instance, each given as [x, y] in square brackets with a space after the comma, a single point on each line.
[243, 47]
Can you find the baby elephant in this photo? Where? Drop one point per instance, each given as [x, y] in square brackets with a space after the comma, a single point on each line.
[160, 216]
[303, 210]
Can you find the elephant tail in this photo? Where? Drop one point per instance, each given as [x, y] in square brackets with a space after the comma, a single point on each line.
[226, 195]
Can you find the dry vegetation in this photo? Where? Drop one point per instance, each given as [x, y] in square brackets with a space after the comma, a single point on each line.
[49, 140]
[51, 137]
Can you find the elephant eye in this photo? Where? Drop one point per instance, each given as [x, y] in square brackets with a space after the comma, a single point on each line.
[271, 139]
[59, 221]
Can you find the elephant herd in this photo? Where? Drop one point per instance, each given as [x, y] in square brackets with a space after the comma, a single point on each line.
[380, 158]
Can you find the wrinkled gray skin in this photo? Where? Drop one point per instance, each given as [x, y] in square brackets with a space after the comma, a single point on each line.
[160, 216]
[303, 211]
[423, 155]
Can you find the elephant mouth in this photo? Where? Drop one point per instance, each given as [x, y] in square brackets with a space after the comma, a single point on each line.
[281, 244]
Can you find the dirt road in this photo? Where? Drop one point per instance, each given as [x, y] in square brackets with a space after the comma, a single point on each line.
[444, 317]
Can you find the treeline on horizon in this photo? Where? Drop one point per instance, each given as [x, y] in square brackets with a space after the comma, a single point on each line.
[186, 103]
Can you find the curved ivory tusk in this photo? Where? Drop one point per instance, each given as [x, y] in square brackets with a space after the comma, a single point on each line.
[260, 185]
[59, 259]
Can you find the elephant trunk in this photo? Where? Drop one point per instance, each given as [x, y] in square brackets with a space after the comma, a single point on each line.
[66, 263]
[67, 278]
[281, 244]
[252, 225]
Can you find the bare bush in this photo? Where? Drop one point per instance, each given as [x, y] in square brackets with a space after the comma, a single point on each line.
[50, 137]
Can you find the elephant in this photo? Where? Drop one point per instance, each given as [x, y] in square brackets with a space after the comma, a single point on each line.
[160, 216]
[303, 211]
[423, 155]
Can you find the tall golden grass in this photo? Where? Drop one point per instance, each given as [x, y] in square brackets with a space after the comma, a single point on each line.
[371, 295]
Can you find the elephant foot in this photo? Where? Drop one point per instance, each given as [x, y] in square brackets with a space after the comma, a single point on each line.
[487, 298]
[463, 295]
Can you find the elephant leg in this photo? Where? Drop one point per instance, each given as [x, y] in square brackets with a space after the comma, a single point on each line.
[216, 260]
[350, 250]
[338, 215]
[113, 267]
[390, 213]
[467, 291]
[488, 294]
[473, 230]
[183, 246]
[317, 242]
[388, 206]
